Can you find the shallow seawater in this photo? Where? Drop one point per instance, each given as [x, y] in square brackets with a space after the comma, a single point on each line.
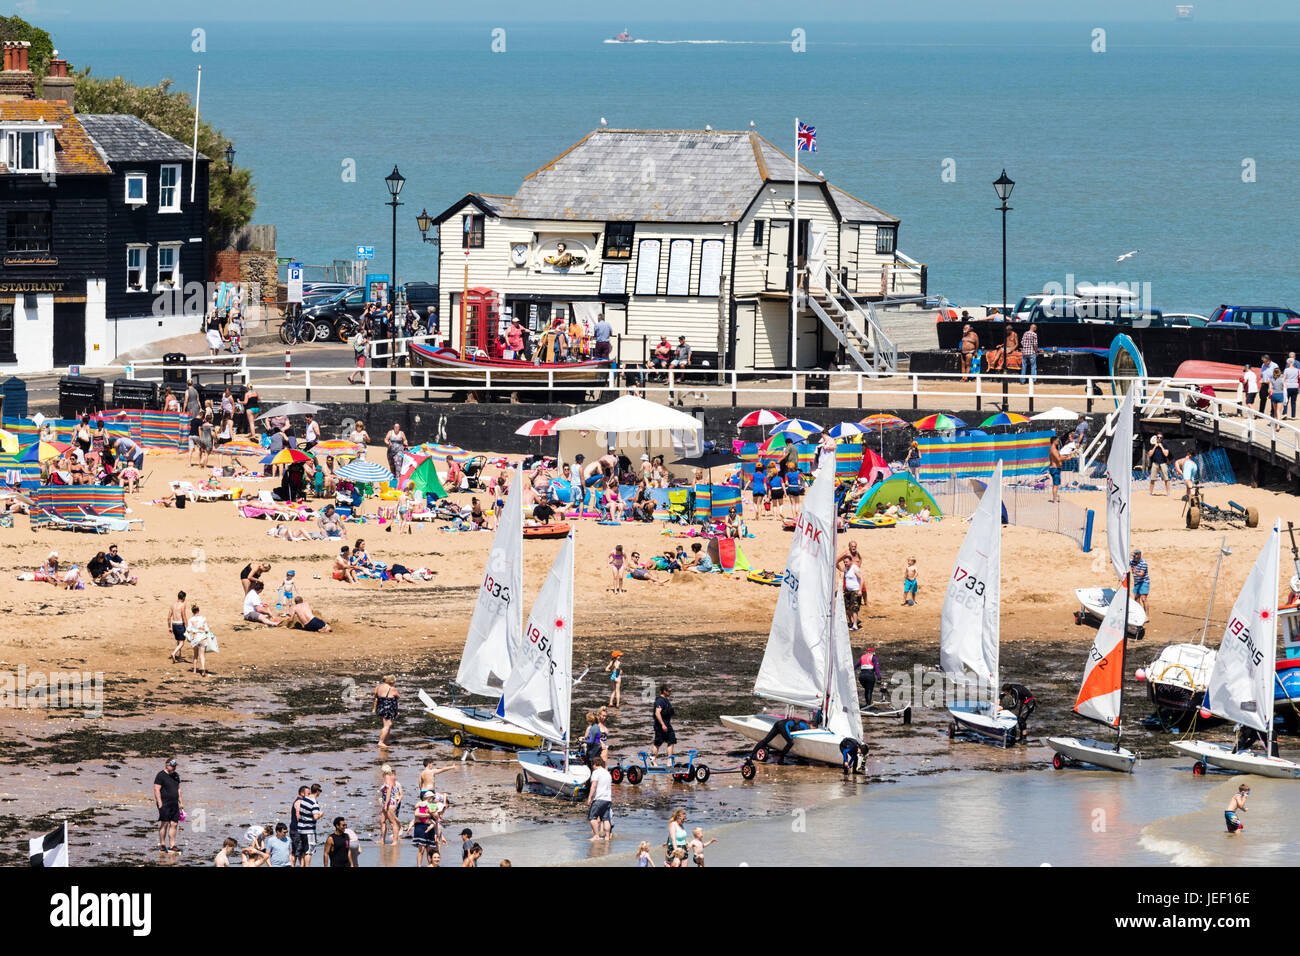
[925, 799]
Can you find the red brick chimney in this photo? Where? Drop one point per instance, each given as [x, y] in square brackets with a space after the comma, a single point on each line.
[17, 81]
[57, 85]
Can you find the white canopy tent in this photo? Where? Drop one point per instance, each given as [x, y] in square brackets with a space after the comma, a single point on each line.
[631, 426]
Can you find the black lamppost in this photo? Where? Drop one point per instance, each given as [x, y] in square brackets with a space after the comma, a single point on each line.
[1003, 185]
[394, 181]
[425, 222]
[230, 157]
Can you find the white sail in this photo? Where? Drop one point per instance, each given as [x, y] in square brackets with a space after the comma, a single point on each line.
[1241, 684]
[969, 624]
[1103, 677]
[498, 618]
[796, 662]
[843, 715]
[538, 690]
[1119, 486]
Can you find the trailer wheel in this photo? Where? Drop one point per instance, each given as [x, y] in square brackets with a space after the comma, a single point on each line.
[760, 754]
[457, 739]
[1198, 768]
[1252, 517]
[616, 774]
[748, 771]
[952, 729]
[1058, 761]
[701, 773]
[519, 783]
[907, 714]
[1193, 518]
[634, 775]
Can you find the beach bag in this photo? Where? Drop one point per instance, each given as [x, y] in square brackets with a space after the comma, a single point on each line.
[210, 645]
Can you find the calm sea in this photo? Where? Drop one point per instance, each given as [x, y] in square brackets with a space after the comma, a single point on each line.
[1138, 147]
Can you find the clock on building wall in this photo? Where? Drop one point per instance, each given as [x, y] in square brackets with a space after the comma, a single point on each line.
[519, 254]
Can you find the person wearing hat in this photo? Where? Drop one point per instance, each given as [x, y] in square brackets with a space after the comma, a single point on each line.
[1159, 463]
[615, 670]
[1140, 576]
[577, 490]
[171, 808]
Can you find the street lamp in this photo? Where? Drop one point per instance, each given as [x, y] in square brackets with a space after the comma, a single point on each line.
[1003, 186]
[425, 222]
[394, 181]
[230, 156]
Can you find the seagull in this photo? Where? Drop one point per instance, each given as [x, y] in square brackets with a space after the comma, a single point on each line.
[602, 121]
[1128, 255]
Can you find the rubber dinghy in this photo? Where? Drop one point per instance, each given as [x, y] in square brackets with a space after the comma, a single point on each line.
[538, 695]
[1241, 685]
[970, 629]
[808, 664]
[494, 629]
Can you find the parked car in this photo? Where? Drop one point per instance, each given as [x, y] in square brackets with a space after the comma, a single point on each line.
[327, 315]
[1186, 320]
[1253, 316]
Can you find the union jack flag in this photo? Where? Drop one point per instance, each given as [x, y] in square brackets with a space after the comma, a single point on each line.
[807, 138]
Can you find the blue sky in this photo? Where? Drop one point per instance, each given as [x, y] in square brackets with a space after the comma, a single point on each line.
[398, 11]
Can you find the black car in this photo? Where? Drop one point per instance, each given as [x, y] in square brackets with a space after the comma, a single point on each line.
[327, 315]
[421, 295]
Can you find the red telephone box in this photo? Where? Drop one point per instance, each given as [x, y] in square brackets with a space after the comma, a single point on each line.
[481, 324]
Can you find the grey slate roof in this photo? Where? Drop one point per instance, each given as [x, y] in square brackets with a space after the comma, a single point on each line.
[660, 176]
[129, 139]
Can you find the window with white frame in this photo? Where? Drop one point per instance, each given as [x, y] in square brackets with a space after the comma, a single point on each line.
[28, 150]
[137, 189]
[169, 188]
[135, 268]
[169, 264]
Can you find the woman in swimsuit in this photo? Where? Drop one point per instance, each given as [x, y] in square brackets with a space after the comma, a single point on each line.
[390, 805]
[252, 408]
[385, 706]
[423, 828]
[677, 835]
[616, 562]
[250, 574]
[615, 669]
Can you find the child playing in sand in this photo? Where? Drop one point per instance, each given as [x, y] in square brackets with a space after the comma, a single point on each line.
[284, 595]
[909, 583]
[695, 846]
[616, 563]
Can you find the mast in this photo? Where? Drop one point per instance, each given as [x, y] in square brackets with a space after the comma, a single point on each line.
[568, 664]
[830, 608]
[1223, 550]
[1123, 656]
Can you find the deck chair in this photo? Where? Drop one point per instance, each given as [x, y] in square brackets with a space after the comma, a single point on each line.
[109, 522]
[679, 501]
[70, 523]
[142, 480]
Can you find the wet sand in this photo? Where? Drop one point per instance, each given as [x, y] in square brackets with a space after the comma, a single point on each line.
[283, 706]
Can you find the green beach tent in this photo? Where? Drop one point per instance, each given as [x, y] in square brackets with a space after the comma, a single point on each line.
[889, 490]
[425, 479]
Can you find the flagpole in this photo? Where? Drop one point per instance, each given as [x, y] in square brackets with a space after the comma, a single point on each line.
[67, 850]
[194, 156]
[794, 256]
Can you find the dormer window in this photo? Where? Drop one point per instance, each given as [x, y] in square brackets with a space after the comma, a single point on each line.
[28, 148]
[136, 189]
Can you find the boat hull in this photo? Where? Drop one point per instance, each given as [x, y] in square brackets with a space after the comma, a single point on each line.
[1094, 752]
[1222, 757]
[545, 770]
[1094, 602]
[445, 369]
[1176, 682]
[818, 745]
[480, 724]
[1001, 728]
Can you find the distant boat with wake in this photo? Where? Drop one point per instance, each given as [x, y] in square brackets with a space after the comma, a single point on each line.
[623, 37]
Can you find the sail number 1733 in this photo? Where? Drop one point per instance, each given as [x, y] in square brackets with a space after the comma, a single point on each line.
[964, 579]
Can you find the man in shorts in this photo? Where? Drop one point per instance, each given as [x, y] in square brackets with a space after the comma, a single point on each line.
[600, 801]
[664, 736]
[305, 618]
[1141, 579]
[1187, 470]
[1236, 805]
[1054, 463]
[1159, 463]
[167, 796]
[302, 824]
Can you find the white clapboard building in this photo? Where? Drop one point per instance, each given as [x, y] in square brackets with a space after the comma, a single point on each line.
[680, 232]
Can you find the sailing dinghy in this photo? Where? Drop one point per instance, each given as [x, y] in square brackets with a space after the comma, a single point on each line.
[1241, 686]
[538, 694]
[494, 628]
[808, 664]
[970, 629]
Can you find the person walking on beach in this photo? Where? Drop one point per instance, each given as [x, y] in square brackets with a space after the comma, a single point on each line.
[396, 442]
[1249, 385]
[178, 618]
[1266, 366]
[615, 670]
[677, 834]
[1159, 463]
[852, 572]
[171, 807]
[385, 706]
[910, 585]
[1054, 464]
[600, 801]
[360, 343]
[616, 564]
[337, 845]
[1186, 469]
[1291, 380]
[1236, 805]
[664, 736]
[1141, 580]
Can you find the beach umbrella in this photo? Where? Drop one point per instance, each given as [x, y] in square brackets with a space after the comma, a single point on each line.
[8, 442]
[537, 428]
[846, 429]
[424, 479]
[882, 421]
[761, 417]
[289, 409]
[1004, 418]
[337, 446]
[240, 448]
[365, 472]
[445, 452]
[1056, 414]
[41, 451]
[797, 425]
[287, 456]
[938, 423]
[708, 461]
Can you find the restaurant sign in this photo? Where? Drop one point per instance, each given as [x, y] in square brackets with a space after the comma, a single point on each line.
[28, 288]
[31, 260]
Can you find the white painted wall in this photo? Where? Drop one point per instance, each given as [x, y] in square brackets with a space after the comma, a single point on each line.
[33, 334]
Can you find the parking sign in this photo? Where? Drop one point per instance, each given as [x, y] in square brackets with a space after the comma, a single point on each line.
[365, 252]
[293, 277]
